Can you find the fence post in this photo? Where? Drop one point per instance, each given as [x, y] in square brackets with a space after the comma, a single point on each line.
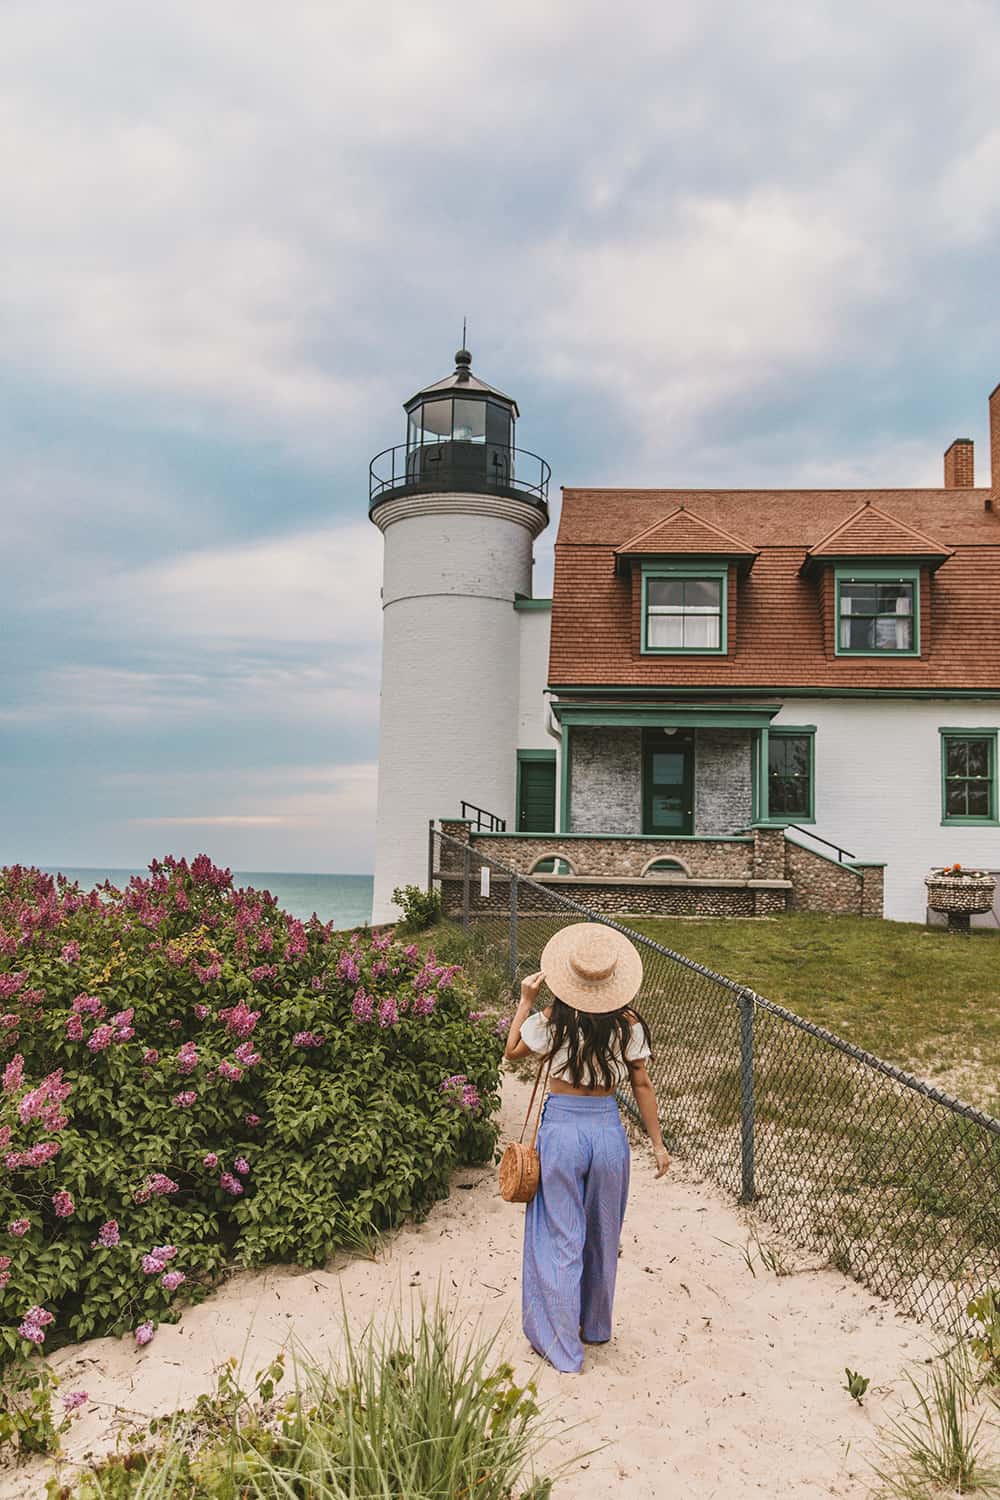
[748, 1189]
[465, 886]
[513, 928]
[430, 855]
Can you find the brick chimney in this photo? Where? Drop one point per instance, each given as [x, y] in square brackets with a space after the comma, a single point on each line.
[959, 464]
[995, 441]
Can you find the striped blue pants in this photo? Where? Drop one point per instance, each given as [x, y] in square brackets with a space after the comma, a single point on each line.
[572, 1228]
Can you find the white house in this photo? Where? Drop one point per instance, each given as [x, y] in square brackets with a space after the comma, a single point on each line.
[736, 701]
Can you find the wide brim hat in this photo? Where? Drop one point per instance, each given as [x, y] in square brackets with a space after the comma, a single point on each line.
[591, 967]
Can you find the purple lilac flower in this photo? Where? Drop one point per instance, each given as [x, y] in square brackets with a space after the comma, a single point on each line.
[423, 1005]
[246, 1056]
[230, 1071]
[63, 1204]
[187, 1058]
[144, 1333]
[100, 1038]
[74, 1028]
[348, 968]
[231, 1184]
[241, 1165]
[362, 1006]
[70, 953]
[150, 1057]
[172, 1280]
[470, 1098]
[184, 1099]
[252, 1120]
[107, 1236]
[201, 1011]
[379, 968]
[73, 1400]
[10, 984]
[308, 1039]
[13, 1074]
[18, 1227]
[240, 1019]
[264, 971]
[32, 1332]
[210, 1160]
[388, 1013]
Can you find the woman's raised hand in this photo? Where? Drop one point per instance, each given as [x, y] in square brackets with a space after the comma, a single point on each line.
[530, 988]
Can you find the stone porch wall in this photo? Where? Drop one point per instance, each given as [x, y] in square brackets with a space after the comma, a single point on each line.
[823, 885]
[599, 855]
[606, 780]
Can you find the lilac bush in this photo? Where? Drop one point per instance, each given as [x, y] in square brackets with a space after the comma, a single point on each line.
[191, 1078]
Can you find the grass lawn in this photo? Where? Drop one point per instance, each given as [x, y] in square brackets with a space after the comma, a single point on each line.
[918, 997]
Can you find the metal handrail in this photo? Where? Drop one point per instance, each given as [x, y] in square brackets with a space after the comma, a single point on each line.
[522, 473]
[485, 822]
[809, 834]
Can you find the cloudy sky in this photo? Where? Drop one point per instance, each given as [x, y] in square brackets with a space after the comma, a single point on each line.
[701, 242]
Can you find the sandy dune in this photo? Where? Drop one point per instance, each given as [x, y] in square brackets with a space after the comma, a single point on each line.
[717, 1383]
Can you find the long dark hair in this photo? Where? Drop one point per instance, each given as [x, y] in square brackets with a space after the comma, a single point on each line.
[590, 1042]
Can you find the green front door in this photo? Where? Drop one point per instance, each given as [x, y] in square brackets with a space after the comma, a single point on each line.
[667, 782]
[536, 792]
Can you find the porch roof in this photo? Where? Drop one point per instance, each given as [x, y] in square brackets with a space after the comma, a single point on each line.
[667, 715]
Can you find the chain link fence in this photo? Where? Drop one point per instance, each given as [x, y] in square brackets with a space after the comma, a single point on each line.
[888, 1178]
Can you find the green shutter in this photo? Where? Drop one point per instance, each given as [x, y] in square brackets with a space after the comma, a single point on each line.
[536, 798]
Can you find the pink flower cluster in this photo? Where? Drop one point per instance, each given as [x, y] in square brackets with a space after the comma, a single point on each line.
[184, 1099]
[107, 1236]
[187, 1058]
[156, 1185]
[362, 1006]
[34, 1324]
[348, 968]
[63, 1204]
[460, 1092]
[156, 1262]
[144, 1333]
[4, 1272]
[264, 971]
[308, 1039]
[73, 1400]
[239, 1019]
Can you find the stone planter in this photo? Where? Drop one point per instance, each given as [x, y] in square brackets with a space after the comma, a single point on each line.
[959, 896]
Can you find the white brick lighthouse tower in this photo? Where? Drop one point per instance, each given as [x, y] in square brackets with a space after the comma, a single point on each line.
[459, 508]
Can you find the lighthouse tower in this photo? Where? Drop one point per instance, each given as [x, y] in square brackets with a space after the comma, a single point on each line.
[459, 507]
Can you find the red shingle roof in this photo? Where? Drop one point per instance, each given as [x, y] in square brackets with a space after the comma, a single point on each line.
[778, 635]
[682, 531]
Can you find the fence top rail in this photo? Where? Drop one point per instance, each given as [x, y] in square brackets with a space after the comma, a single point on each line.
[744, 992]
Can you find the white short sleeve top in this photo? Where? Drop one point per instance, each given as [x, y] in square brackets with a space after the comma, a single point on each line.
[536, 1032]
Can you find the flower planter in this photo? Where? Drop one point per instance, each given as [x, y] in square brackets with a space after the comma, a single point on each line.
[959, 896]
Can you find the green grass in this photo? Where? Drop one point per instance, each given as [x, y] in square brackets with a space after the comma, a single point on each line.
[916, 996]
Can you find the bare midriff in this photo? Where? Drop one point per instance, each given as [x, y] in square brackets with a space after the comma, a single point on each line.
[558, 1086]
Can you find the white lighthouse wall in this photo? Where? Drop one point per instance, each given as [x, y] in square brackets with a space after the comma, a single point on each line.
[878, 788]
[450, 675]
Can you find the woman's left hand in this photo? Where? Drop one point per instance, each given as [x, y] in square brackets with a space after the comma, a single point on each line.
[531, 987]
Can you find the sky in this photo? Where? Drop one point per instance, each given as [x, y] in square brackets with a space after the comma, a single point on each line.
[702, 243]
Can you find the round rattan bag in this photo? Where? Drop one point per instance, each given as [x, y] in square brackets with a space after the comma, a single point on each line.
[520, 1165]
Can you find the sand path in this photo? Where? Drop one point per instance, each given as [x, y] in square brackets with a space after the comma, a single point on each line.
[717, 1383]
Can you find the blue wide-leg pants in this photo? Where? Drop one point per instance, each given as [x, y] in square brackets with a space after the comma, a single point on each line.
[572, 1227]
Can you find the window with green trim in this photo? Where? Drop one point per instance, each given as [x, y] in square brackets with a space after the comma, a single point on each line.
[684, 609]
[789, 775]
[878, 613]
[969, 776]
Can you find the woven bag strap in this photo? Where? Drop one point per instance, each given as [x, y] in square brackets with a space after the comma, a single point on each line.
[543, 1067]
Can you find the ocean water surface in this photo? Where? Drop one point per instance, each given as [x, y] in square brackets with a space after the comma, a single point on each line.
[345, 900]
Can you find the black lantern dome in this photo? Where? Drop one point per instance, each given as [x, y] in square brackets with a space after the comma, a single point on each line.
[460, 437]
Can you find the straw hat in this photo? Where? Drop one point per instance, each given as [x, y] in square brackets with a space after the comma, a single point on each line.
[591, 967]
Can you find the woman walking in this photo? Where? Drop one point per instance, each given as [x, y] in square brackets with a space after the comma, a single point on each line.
[594, 1040]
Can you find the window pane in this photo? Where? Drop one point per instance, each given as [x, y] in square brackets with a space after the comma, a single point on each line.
[857, 598]
[665, 591]
[701, 593]
[860, 634]
[954, 799]
[957, 757]
[895, 598]
[701, 631]
[665, 630]
[977, 757]
[498, 424]
[668, 767]
[435, 419]
[470, 422]
[892, 634]
[978, 796]
[789, 791]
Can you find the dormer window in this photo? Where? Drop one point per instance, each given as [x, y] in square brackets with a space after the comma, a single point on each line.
[684, 609]
[878, 612]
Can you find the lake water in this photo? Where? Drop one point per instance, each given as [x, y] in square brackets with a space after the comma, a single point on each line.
[345, 900]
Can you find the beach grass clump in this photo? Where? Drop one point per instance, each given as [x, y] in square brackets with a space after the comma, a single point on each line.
[193, 1079]
[418, 1409]
[946, 1440]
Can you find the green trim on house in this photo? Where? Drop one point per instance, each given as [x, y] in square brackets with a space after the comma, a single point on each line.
[767, 819]
[536, 755]
[523, 604]
[667, 716]
[653, 745]
[565, 772]
[959, 820]
[711, 573]
[885, 573]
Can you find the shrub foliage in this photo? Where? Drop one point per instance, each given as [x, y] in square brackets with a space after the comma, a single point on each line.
[193, 1078]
